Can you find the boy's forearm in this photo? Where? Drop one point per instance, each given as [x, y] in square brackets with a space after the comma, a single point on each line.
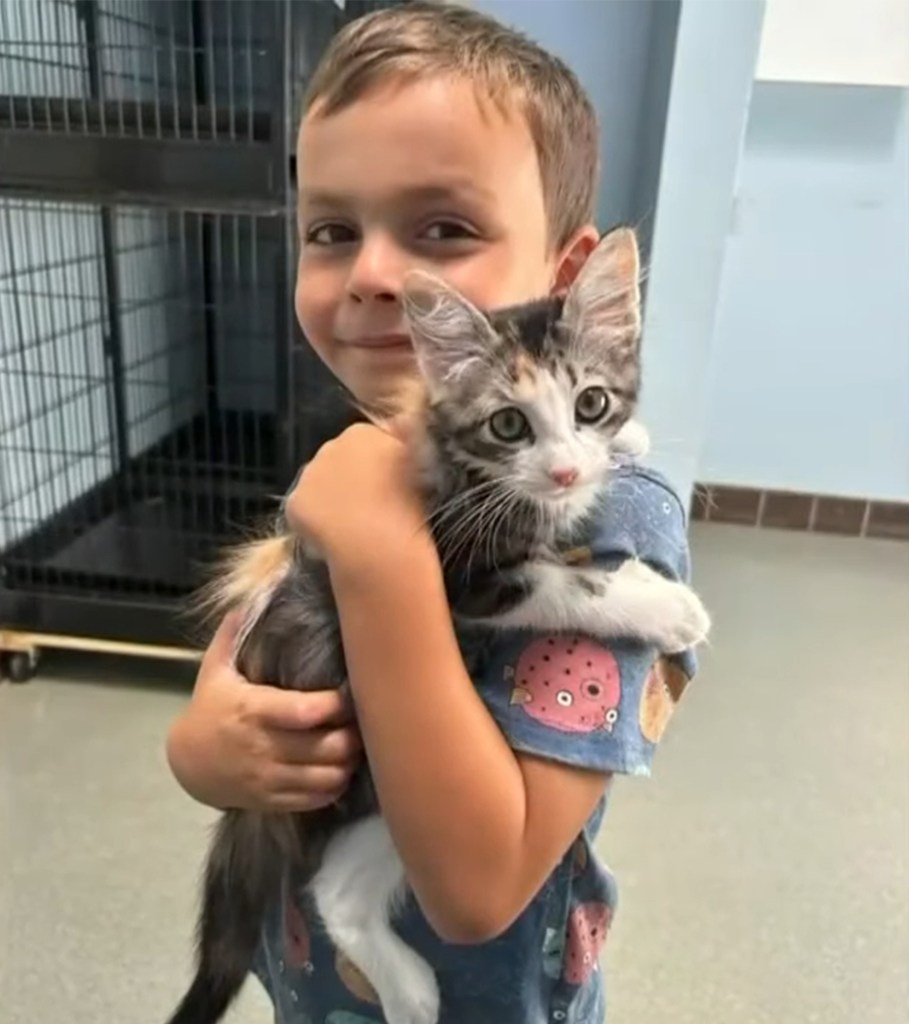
[450, 786]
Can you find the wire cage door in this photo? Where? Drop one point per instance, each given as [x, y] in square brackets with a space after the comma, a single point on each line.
[148, 373]
[136, 435]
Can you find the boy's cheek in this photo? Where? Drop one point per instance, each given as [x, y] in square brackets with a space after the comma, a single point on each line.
[314, 305]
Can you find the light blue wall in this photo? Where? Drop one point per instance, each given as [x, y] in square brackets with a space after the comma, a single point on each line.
[810, 370]
[658, 66]
[715, 56]
[607, 43]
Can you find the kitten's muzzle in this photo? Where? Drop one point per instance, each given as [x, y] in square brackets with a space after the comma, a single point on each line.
[564, 476]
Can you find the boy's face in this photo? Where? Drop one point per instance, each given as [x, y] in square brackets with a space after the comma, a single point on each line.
[415, 177]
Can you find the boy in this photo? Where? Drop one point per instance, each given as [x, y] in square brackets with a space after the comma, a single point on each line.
[433, 137]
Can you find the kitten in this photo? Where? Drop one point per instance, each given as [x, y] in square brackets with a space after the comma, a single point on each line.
[520, 416]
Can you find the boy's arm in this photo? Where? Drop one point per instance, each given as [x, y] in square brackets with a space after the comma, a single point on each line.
[479, 827]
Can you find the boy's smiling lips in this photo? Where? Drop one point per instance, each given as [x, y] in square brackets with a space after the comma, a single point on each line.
[381, 342]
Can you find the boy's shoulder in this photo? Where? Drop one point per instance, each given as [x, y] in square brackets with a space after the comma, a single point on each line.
[640, 514]
[647, 481]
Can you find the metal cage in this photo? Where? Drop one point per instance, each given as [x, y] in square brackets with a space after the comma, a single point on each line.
[150, 366]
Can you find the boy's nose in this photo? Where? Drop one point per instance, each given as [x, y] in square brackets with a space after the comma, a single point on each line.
[377, 272]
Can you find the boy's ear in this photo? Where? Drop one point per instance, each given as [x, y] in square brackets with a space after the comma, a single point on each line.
[573, 257]
[451, 337]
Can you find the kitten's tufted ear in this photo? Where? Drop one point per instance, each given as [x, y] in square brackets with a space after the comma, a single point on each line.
[451, 337]
[603, 306]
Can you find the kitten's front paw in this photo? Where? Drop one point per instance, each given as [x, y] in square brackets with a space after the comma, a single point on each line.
[687, 622]
[668, 614]
[414, 996]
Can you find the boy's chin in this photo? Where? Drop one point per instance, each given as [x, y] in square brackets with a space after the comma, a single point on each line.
[383, 387]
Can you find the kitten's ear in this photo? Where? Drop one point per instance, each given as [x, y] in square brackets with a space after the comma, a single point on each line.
[451, 337]
[603, 306]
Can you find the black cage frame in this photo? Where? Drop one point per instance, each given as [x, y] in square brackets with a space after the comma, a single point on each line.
[151, 369]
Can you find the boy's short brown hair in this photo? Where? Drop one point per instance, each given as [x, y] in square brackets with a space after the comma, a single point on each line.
[426, 38]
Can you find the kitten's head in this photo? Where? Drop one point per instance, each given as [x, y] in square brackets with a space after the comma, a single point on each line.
[533, 396]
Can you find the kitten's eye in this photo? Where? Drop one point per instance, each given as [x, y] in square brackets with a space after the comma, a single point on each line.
[592, 405]
[509, 425]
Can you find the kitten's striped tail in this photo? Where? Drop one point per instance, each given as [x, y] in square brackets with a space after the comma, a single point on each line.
[242, 877]
[244, 869]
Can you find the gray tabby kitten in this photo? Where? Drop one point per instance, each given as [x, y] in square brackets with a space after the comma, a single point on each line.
[517, 424]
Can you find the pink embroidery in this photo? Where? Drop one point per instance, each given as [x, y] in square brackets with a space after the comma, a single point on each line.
[587, 928]
[569, 683]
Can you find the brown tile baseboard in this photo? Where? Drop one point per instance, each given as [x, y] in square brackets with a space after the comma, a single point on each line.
[791, 510]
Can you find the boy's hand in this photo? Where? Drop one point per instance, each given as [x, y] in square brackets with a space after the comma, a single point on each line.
[258, 747]
[357, 496]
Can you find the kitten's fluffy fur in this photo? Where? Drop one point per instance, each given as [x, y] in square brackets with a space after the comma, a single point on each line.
[512, 403]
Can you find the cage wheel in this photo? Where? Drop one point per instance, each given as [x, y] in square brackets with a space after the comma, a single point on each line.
[20, 666]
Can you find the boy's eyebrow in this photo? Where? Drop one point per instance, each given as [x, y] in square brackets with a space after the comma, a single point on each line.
[414, 193]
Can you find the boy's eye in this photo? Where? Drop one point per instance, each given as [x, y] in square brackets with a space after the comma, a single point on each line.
[592, 405]
[509, 425]
[332, 233]
[443, 230]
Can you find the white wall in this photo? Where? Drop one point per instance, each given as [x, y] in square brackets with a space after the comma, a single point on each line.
[858, 42]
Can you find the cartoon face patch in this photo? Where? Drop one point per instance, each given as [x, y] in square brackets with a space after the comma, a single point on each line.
[568, 683]
[579, 858]
[663, 689]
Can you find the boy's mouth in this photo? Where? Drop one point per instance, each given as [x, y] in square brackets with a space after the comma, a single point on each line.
[382, 342]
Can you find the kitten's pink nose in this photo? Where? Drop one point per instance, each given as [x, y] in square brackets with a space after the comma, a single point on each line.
[564, 477]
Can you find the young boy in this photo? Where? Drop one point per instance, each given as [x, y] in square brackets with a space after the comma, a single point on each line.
[433, 137]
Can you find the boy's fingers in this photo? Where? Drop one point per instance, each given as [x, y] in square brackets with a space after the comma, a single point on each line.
[340, 707]
[313, 781]
[295, 709]
[303, 803]
[341, 747]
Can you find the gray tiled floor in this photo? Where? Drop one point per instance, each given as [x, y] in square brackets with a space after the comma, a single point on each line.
[764, 870]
